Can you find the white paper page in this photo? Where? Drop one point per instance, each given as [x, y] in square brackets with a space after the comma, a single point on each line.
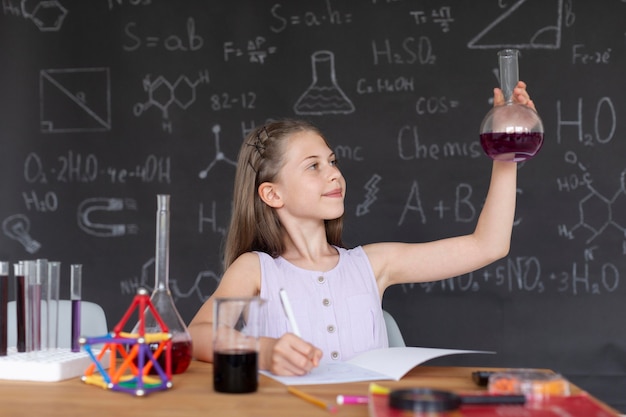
[395, 362]
[330, 373]
[378, 364]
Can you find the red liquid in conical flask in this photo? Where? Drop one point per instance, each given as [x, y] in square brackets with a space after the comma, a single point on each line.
[181, 357]
[515, 147]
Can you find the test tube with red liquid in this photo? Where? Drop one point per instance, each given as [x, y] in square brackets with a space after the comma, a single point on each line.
[4, 303]
[42, 282]
[20, 306]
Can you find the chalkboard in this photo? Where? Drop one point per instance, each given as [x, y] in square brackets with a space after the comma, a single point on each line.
[105, 104]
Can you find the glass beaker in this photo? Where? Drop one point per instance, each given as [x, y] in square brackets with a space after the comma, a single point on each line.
[162, 298]
[236, 331]
[512, 131]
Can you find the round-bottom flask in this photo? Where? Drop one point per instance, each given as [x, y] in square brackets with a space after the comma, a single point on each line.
[512, 131]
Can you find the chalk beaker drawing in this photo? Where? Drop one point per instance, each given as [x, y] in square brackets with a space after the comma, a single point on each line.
[324, 96]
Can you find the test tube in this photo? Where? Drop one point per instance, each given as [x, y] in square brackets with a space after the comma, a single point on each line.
[4, 302]
[20, 306]
[54, 272]
[75, 292]
[33, 324]
[42, 281]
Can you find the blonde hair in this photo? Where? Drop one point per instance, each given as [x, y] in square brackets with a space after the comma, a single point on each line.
[254, 226]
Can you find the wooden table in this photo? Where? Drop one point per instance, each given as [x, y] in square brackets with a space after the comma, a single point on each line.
[193, 395]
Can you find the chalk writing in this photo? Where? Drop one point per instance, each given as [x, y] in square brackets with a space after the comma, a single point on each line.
[219, 155]
[47, 15]
[371, 195]
[46, 203]
[228, 101]
[84, 93]
[410, 147]
[113, 3]
[208, 217]
[581, 281]
[345, 152]
[435, 105]
[604, 215]
[75, 167]
[162, 94]
[581, 56]
[465, 210]
[98, 205]
[309, 18]
[524, 274]
[154, 169]
[410, 51]
[324, 95]
[441, 16]
[17, 227]
[385, 85]
[604, 126]
[188, 42]
[532, 37]
[255, 50]
[202, 287]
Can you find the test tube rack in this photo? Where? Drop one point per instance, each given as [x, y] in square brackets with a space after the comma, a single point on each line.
[44, 365]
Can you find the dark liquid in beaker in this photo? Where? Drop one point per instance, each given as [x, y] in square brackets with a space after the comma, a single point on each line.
[235, 371]
[181, 357]
[515, 147]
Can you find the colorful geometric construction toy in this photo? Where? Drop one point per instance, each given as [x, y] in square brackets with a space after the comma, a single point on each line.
[134, 366]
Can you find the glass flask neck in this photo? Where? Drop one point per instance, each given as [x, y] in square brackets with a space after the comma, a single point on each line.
[162, 257]
[509, 72]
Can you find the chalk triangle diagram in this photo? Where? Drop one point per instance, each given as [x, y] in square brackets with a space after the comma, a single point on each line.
[75, 100]
[526, 24]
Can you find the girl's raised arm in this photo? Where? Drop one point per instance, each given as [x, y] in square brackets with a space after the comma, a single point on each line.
[397, 263]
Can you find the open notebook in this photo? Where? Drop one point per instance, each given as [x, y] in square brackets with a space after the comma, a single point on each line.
[378, 364]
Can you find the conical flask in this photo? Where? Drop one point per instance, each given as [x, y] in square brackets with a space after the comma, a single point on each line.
[161, 297]
[512, 131]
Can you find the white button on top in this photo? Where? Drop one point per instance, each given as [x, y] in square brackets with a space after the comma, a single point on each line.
[330, 328]
[326, 302]
[321, 279]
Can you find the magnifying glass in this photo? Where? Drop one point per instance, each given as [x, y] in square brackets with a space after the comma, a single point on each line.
[426, 399]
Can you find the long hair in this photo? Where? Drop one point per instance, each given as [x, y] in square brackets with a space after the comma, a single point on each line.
[254, 226]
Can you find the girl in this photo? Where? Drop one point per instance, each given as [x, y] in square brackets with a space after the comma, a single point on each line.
[285, 232]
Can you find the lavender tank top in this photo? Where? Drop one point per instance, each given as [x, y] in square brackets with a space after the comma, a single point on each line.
[339, 311]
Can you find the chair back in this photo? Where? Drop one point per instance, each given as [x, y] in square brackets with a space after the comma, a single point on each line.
[393, 331]
[93, 322]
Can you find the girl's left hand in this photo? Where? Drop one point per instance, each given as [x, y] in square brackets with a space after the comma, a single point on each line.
[520, 95]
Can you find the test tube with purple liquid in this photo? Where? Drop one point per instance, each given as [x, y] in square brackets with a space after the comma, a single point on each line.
[75, 292]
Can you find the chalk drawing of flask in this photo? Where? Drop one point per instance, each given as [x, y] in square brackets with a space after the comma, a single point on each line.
[324, 96]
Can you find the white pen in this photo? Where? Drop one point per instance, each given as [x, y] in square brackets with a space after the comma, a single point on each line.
[289, 312]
